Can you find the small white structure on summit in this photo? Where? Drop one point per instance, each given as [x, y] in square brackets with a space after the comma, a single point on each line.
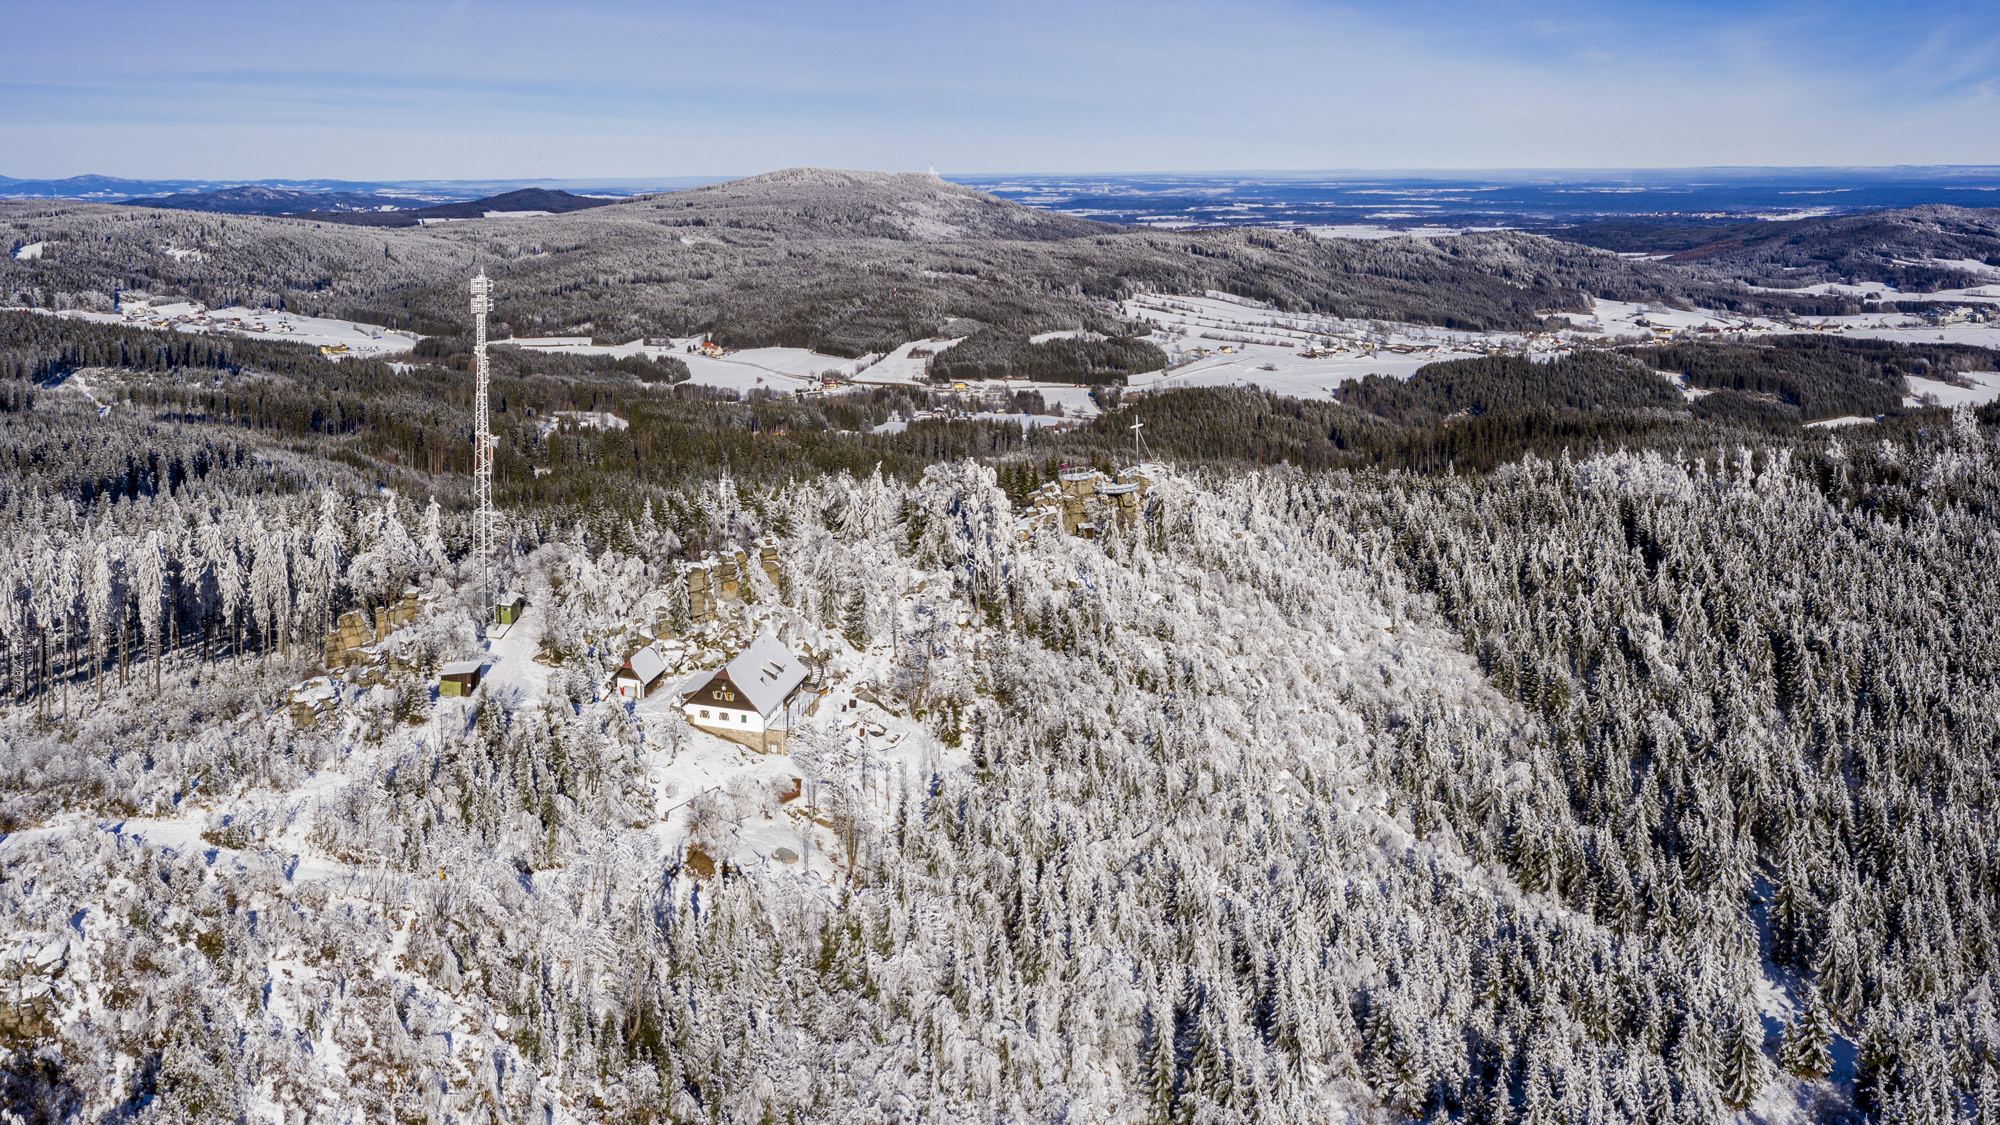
[754, 699]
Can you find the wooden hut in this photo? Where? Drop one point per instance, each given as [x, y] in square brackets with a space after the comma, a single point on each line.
[460, 677]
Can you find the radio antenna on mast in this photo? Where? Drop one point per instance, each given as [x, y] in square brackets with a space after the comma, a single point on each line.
[482, 438]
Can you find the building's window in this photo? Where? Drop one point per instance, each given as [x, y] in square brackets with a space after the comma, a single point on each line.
[704, 714]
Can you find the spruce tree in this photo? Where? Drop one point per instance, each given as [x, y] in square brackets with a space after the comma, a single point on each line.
[1808, 1046]
[1744, 1067]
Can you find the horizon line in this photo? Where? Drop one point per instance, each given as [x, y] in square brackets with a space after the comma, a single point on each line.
[1424, 172]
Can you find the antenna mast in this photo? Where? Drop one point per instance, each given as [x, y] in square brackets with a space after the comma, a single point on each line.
[482, 439]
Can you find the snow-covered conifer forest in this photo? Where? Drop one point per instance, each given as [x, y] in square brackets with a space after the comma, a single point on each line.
[1519, 743]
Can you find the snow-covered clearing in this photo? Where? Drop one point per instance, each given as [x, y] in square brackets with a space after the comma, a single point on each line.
[1065, 334]
[1681, 384]
[341, 337]
[772, 369]
[1985, 388]
[903, 366]
[1367, 232]
[1299, 354]
[30, 252]
[584, 419]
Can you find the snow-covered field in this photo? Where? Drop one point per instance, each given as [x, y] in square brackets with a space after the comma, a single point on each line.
[1299, 354]
[902, 367]
[1309, 356]
[357, 339]
[1367, 232]
[1985, 388]
[774, 369]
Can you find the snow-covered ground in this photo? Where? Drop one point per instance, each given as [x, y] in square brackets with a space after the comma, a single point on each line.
[1985, 388]
[903, 367]
[587, 419]
[356, 338]
[1300, 354]
[1309, 356]
[774, 369]
[1366, 232]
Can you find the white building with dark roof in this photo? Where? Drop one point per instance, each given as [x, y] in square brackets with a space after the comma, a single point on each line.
[754, 699]
[641, 675]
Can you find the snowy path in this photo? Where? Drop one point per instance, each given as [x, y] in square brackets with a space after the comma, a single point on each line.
[514, 676]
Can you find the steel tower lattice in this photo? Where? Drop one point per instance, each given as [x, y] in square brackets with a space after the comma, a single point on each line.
[482, 438]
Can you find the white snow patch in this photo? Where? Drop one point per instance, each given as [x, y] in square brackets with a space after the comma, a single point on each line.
[1985, 388]
[587, 419]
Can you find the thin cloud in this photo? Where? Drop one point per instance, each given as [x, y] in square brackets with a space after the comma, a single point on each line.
[639, 89]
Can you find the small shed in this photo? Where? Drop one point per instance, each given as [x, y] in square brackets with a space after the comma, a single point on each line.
[641, 675]
[509, 608]
[460, 677]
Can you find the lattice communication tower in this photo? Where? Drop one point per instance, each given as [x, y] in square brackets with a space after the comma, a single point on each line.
[482, 438]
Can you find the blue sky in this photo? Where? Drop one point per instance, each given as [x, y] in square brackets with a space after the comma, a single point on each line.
[485, 89]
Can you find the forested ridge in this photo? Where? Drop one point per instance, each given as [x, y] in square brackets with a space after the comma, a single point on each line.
[1573, 741]
[1916, 249]
[844, 263]
[1549, 779]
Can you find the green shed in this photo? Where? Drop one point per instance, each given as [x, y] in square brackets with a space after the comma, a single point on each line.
[460, 677]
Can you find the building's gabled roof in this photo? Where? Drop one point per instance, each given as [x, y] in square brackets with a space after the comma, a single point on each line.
[460, 668]
[646, 664]
[766, 673]
[695, 681]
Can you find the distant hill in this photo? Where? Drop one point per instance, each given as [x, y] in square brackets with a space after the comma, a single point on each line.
[526, 199]
[843, 262]
[1914, 248]
[255, 199]
[904, 206]
[101, 189]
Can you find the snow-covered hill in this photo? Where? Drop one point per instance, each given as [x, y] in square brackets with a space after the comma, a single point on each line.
[1290, 797]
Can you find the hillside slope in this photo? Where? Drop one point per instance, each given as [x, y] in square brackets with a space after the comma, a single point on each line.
[255, 199]
[840, 261]
[1917, 248]
[555, 202]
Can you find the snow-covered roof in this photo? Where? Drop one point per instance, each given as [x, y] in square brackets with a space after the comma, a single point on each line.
[767, 673]
[647, 665]
[460, 668]
[509, 597]
[694, 682]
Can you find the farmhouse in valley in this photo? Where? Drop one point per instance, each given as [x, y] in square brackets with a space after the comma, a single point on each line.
[754, 699]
